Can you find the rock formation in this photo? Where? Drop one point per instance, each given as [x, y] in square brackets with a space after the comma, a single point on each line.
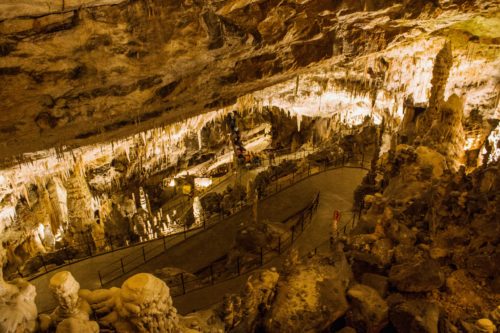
[116, 115]
[18, 311]
[72, 312]
[142, 304]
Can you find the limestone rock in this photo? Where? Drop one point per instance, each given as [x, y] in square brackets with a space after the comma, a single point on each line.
[485, 325]
[382, 250]
[415, 316]
[495, 315]
[401, 234]
[72, 312]
[18, 311]
[378, 282]
[259, 294]
[17, 306]
[142, 304]
[311, 298]
[147, 305]
[416, 276]
[369, 311]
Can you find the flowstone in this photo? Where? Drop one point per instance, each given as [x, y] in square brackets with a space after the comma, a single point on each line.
[72, 313]
[142, 304]
[17, 304]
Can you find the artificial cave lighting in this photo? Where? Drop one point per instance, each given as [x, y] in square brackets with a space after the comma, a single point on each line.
[200, 183]
[249, 166]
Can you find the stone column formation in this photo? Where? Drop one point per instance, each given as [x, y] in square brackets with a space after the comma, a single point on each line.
[80, 213]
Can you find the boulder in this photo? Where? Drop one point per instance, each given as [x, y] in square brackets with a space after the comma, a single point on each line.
[369, 311]
[404, 253]
[310, 299]
[378, 282]
[401, 234]
[437, 253]
[417, 276]
[415, 316]
[483, 265]
[485, 325]
[382, 251]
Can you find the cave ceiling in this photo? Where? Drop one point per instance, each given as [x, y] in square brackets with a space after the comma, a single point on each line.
[80, 72]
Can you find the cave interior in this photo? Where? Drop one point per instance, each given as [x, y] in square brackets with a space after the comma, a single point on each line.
[238, 166]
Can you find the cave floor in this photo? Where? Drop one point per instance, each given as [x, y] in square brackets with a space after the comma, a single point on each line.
[336, 188]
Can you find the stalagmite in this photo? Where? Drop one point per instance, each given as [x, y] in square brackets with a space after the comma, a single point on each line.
[197, 210]
[72, 312]
[18, 311]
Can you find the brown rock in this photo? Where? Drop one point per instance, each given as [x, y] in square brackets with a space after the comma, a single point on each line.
[369, 311]
[415, 316]
[418, 276]
[378, 282]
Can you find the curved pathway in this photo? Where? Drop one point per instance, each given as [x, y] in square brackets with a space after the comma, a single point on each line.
[336, 188]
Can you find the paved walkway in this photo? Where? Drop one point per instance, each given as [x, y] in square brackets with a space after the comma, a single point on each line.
[336, 188]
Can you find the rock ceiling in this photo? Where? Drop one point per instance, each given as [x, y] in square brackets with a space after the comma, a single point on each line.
[78, 72]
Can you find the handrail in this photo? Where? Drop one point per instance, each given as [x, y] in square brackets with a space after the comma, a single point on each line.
[283, 244]
[121, 266]
[277, 188]
[312, 253]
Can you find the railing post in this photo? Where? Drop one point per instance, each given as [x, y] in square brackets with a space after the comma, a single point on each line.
[144, 254]
[100, 278]
[185, 228]
[183, 285]
[43, 263]
[164, 243]
[123, 267]
[90, 249]
[66, 253]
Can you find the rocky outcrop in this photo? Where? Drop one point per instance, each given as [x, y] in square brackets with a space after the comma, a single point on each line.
[418, 276]
[370, 312]
[310, 299]
[415, 316]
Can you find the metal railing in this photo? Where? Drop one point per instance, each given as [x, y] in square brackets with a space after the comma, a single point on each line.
[213, 272]
[84, 250]
[222, 270]
[126, 264]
